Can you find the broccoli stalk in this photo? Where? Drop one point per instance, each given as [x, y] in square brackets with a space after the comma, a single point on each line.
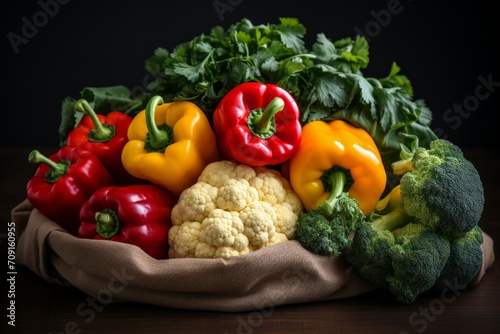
[441, 189]
[389, 213]
[326, 230]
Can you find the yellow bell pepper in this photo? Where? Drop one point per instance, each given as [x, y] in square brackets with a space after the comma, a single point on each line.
[335, 157]
[169, 144]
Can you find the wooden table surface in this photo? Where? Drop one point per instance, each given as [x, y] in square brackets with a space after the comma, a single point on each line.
[41, 307]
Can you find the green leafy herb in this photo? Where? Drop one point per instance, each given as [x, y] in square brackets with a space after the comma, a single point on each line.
[102, 99]
[325, 79]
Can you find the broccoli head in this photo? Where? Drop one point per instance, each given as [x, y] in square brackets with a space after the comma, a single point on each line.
[326, 230]
[321, 235]
[418, 258]
[441, 189]
[394, 253]
[466, 258]
[370, 253]
[424, 235]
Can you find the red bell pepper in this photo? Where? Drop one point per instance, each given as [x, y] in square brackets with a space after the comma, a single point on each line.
[258, 124]
[63, 182]
[135, 214]
[105, 136]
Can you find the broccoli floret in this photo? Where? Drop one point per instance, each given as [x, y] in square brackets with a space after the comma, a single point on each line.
[370, 250]
[466, 258]
[326, 230]
[322, 236]
[418, 258]
[370, 253]
[441, 189]
[394, 253]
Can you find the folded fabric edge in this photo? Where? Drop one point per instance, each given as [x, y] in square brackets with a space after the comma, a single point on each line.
[488, 258]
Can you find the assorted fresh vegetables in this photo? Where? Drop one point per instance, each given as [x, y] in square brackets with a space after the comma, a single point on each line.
[246, 138]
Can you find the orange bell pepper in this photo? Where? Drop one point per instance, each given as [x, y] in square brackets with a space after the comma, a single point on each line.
[336, 157]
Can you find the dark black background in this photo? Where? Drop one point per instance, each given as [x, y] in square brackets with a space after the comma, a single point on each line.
[443, 47]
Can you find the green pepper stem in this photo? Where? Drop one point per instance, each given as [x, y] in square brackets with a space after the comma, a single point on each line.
[56, 169]
[338, 180]
[275, 106]
[100, 132]
[158, 138]
[261, 121]
[107, 223]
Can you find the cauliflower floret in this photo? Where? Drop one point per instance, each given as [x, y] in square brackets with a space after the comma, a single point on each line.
[183, 239]
[269, 171]
[205, 251]
[227, 252]
[220, 228]
[194, 204]
[235, 194]
[277, 238]
[275, 189]
[258, 218]
[243, 172]
[286, 219]
[222, 236]
[217, 173]
[269, 187]
[292, 199]
[222, 233]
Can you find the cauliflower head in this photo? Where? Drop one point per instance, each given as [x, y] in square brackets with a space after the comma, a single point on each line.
[232, 210]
